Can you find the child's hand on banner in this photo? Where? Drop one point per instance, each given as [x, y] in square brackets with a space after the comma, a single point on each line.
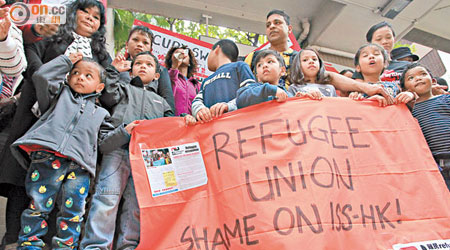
[380, 99]
[218, 109]
[129, 128]
[189, 120]
[204, 115]
[281, 95]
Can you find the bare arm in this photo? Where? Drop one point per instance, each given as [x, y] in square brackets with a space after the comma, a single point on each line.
[346, 84]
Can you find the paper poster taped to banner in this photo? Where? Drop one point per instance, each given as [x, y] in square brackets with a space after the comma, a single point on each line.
[174, 168]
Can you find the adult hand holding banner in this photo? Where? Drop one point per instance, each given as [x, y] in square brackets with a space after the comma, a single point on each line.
[330, 174]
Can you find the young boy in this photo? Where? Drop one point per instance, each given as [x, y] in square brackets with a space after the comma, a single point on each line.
[433, 114]
[140, 40]
[131, 102]
[269, 66]
[218, 92]
[62, 146]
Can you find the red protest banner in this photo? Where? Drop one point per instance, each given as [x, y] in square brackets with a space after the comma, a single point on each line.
[330, 174]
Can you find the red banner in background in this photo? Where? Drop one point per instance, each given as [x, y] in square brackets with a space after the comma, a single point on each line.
[165, 39]
[330, 174]
[292, 43]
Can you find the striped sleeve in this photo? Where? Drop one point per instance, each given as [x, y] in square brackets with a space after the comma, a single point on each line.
[12, 56]
[197, 103]
[433, 116]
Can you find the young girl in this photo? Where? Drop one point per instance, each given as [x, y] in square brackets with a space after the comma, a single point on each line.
[432, 112]
[269, 69]
[370, 61]
[309, 78]
[182, 65]
[384, 35]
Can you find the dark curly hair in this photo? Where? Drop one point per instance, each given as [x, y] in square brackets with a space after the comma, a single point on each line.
[192, 68]
[98, 38]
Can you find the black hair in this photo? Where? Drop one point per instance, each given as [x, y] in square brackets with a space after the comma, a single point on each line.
[375, 27]
[192, 68]
[101, 70]
[98, 38]
[141, 29]
[281, 13]
[297, 77]
[409, 67]
[345, 71]
[157, 66]
[441, 81]
[229, 48]
[264, 53]
[381, 49]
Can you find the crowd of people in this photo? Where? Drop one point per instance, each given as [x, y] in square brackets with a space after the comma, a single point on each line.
[68, 110]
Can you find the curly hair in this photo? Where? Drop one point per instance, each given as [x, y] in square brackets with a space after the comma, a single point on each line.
[192, 68]
[98, 38]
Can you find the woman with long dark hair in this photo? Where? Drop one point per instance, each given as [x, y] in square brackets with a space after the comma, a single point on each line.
[83, 32]
[182, 66]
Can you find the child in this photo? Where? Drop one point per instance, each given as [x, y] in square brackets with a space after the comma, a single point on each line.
[131, 102]
[218, 92]
[270, 68]
[85, 22]
[433, 114]
[62, 146]
[309, 75]
[182, 66]
[383, 34]
[309, 78]
[139, 40]
[370, 61]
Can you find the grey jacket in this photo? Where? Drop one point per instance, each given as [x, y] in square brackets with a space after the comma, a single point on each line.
[163, 86]
[72, 124]
[130, 101]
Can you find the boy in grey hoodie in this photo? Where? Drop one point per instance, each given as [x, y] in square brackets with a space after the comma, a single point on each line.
[62, 146]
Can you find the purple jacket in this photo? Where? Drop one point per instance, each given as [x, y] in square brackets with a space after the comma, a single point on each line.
[184, 91]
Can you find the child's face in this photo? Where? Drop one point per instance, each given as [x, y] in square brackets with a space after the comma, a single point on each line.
[138, 42]
[268, 69]
[84, 78]
[371, 61]
[418, 80]
[88, 21]
[384, 37]
[309, 63]
[145, 67]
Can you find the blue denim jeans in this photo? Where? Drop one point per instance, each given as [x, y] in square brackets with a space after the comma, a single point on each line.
[114, 183]
[49, 178]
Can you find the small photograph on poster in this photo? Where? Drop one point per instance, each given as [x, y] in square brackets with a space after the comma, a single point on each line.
[156, 157]
[175, 168]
